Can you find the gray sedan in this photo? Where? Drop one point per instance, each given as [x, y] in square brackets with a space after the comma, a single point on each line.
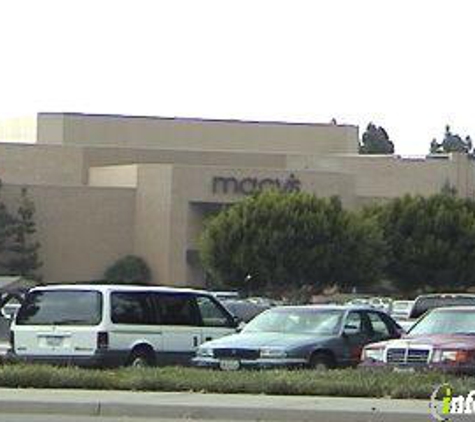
[319, 337]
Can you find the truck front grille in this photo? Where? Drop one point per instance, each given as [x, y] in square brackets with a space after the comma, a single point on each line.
[398, 356]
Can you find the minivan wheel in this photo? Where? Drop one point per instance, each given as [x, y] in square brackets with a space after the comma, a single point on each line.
[140, 359]
[321, 362]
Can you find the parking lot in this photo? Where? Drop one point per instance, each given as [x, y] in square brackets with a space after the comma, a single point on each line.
[85, 325]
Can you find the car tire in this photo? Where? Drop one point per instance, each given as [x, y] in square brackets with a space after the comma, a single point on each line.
[321, 362]
[141, 358]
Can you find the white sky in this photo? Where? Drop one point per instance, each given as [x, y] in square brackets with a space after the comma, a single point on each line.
[407, 65]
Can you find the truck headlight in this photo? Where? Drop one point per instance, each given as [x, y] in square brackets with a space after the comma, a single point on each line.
[375, 354]
[273, 353]
[205, 352]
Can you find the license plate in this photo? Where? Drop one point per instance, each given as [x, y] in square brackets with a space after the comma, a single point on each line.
[229, 365]
[54, 341]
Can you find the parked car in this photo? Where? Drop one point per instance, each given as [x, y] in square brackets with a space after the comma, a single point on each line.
[358, 301]
[7, 314]
[4, 336]
[225, 295]
[107, 325]
[425, 303]
[264, 301]
[382, 303]
[10, 309]
[442, 339]
[312, 336]
[244, 310]
[401, 309]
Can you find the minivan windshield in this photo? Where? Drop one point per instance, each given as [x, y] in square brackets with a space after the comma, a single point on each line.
[61, 307]
[296, 321]
[445, 322]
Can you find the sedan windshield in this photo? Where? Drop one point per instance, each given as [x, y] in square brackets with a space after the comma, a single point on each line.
[445, 322]
[296, 321]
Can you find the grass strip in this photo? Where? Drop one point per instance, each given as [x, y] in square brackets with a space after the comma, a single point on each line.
[343, 383]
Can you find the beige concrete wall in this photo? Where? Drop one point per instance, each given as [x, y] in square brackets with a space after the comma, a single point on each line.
[100, 156]
[392, 176]
[195, 134]
[40, 165]
[82, 230]
[50, 129]
[153, 229]
[69, 165]
[117, 176]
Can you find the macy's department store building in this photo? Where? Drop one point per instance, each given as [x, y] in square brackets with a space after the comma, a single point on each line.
[108, 186]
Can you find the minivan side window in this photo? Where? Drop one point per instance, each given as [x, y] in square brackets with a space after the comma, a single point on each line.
[177, 309]
[211, 314]
[132, 308]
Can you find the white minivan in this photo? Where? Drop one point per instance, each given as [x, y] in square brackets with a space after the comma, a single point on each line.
[109, 325]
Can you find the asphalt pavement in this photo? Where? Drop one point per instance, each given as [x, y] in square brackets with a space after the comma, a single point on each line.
[194, 406]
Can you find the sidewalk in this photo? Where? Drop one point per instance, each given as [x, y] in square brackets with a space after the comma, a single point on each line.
[237, 407]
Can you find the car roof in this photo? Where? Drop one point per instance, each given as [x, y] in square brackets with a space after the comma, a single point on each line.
[442, 295]
[465, 308]
[326, 307]
[118, 287]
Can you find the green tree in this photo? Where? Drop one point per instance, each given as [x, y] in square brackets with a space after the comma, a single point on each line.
[272, 242]
[128, 270]
[431, 242]
[452, 142]
[448, 189]
[23, 249]
[375, 140]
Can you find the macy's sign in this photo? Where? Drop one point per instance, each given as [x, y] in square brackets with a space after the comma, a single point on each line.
[249, 185]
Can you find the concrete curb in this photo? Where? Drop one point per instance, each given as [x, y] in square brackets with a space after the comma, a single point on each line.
[246, 414]
[225, 407]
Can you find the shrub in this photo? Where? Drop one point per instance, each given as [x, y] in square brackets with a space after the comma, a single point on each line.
[128, 270]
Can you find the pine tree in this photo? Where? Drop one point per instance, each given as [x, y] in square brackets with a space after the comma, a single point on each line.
[24, 259]
[375, 140]
[452, 142]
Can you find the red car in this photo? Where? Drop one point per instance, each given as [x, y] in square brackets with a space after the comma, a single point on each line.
[443, 339]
